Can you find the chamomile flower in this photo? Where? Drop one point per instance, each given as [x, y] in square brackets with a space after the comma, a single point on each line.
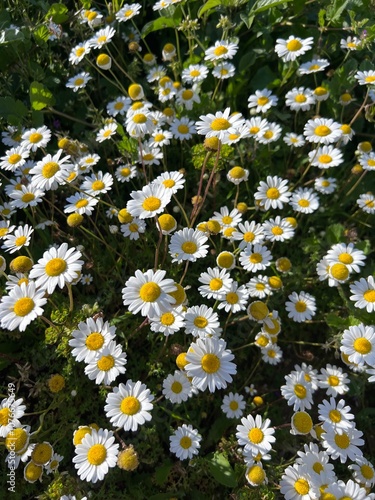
[272, 354]
[168, 322]
[86, 162]
[221, 50]
[86, 279]
[185, 442]
[233, 405]
[366, 203]
[80, 203]
[53, 465]
[256, 126]
[106, 132]
[57, 267]
[367, 161]
[90, 338]
[177, 388]
[128, 11]
[300, 307]
[273, 193]
[294, 140]
[102, 37]
[299, 99]
[187, 98]
[223, 70]
[210, 364]
[365, 77]
[346, 254]
[325, 185]
[363, 472]
[51, 172]
[150, 155]
[313, 66]
[78, 81]
[148, 293]
[350, 43]
[259, 287]
[293, 47]
[14, 158]
[11, 410]
[202, 321]
[297, 391]
[97, 183]
[257, 311]
[333, 380]
[139, 123]
[23, 304]
[107, 365]
[188, 244]
[262, 101]
[172, 181]
[194, 73]
[343, 444]
[363, 293]
[36, 138]
[277, 229]
[256, 435]
[226, 260]
[133, 229]
[150, 201]
[183, 128]
[248, 233]
[255, 258]
[358, 343]
[235, 299]
[296, 484]
[335, 415]
[271, 134]
[326, 157]
[219, 125]
[119, 106]
[124, 173]
[215, 283]
[304, 200]
[79, 52]
[237, 174]
[322, 130]
[226, 218]
[129, 405]
[96, 454]
[20, 238]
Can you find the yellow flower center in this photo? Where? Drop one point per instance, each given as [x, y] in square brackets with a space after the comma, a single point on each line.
[260, 286]
[302, 422]
[255, 435]
[233, 405]
[97, 185]
[33, 472]
[277, 230]
[300, 391]
[35, 138]
[224, 72]
[49, 169]
[300, 98]
[333, 380]
[167, 319]
[210, 363]
[237, 172]
[220, 51]
[130, 405]
[268, 134]
[187, 94]
[249, 237]
[200, 322]
[151, 204]
[258, 310]
[256, 258]
[225, 260]
[322, 130]
[318, 467]
[314, 67]
[335, 416]
[325, 159]
[148, 157]
[14, 158]
[125, 172]
[183, 129]
[339, 271]
[55, 266]
[80, 434]
[342, 440]
[320, 91]
[21, 240]
[81, 203]
[195, 72]
[346, 129]
[300, 306]
[3, 231]
[169, 183]
[4, 416]
[176, 387]
[294, 45]
[79, 81]
[369, 295]
[80, 51]
[367, 471]
[149, 292]
[254, 130]
[232, 298]
[304, 203]
[105, 363]
[42, 453]
[220, 124]
[16, 440]
[23, 306]
[369, 203]
[362, 345]
[262, 101]
[273, 193]
[346, 97]
[227, 220]
[97, 454]
[371, 163]
[215, 284]
[139, 118]
[256, 474]
[189, 247]
[302, 486]
[370, 79]
[185, 442]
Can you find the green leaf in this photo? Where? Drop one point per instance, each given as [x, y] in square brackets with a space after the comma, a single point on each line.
[41, 35]
[263, 5]
[221, 469]
[162, 473]
[335, 233]
[12, 110]
[336, 9]
[58, 13]
[341, 323]
[211, 4]
[159, 24]
[128, 145]
[321, 18]
[365, 246]
[247, 60]
[40, 96]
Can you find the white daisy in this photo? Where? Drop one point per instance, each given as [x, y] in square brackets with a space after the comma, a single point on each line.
[79, 52]
[259, 287]
[98, 183]
[182, 128]
[304, 200]
[14, 158]
[262, 101]
[235, 299]
[233, 405]
[300, 307]
[177, 387]
[124, 173]
[128, 11]
[322, 130]
[256, 126]
[273, 193]
[168, 322]
[107, 365]
[149, 202]
[20, 238]
[215, 283]
[194, 73]
[11, 410]
[102, 37]
[363, 293]
[299, 99]
[256, 435]
[221, 50]
[248, 233]
[297, 391]
[171, 181]
[296, 484]
[106, 132]
[333, 380]
[346, 254]
[223, 70]
[129, 405]
[51, 172]
[185, 442]
[187, 98]
[237, 174]
[219, 125]
[80, 203]
[255, 258]
[294, 140]
[119, 106]
[326, 157]
[277, 229]
[293, 47]
[36, 138]
[335, 415]
[325, 185]
[149, 155]
[365, 77]
[271, 134]
[343, 444]
[188, 244]
[133, 229]
[202, 321]
[367, 203]
[78, 81]
[313, 66]
[363, 472]
[350, 43]
[358, 343]
[226, 218]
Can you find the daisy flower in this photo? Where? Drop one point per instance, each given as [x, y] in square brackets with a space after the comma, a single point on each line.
[325, 185]
[255, 435]
[177, 388]
[343, 444]
[202, 321]
[248, 233]
[91, 336]
[219, 125]
[256, 126]
[304, 200]
[149, 202]
[160, 138]
[366, 202]
[23, 304]
[350, 43]
[322, 130]
[182, 128]
[255, 475]
[300, 307]
[346, 254]
[128, 11]
[86, 279]
[233, 405]
[226, 218]
[237, 174]
[259, 287]
[326, 157]
[171, 181]
[97, 183]
[185, 442]
[363, 472]
[20, 238]
[87, 161]
[119, 106]
[316, 462]
[133, 229]
[367, 161]
[168, 322]
[221, 50]
[223, 70]
[148, 293]
[226, 260]
[273, 193]
[57, 267]
[365, 77]
[11, 136]
[5, 229]
[209, 364]
[139, 123]
[129, 405]
[262, 101]
[278, 229]
[313, 66]
[51, 172]
[294, 140]
[14, 158]
[53, 465]
[149, 155]
[333, 380]
[107, 365]
[124, 173]
[78, 81]
[96, 454]
[299, 99]
[80, 203]
[335, 415]
[102, 37]
[167, 91]
[271, 134]
[215, 283]
[235, 299]
[293, 47]
[35, 138]
[188, 244]
[255, 258]
[194, 73]
[272, 354]
[106, 132]
[296, 484]
[79, 52]
[358, 343]
[257, 311]
[363, 293]
[187, 98]
[297, 391]
[11, 410]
